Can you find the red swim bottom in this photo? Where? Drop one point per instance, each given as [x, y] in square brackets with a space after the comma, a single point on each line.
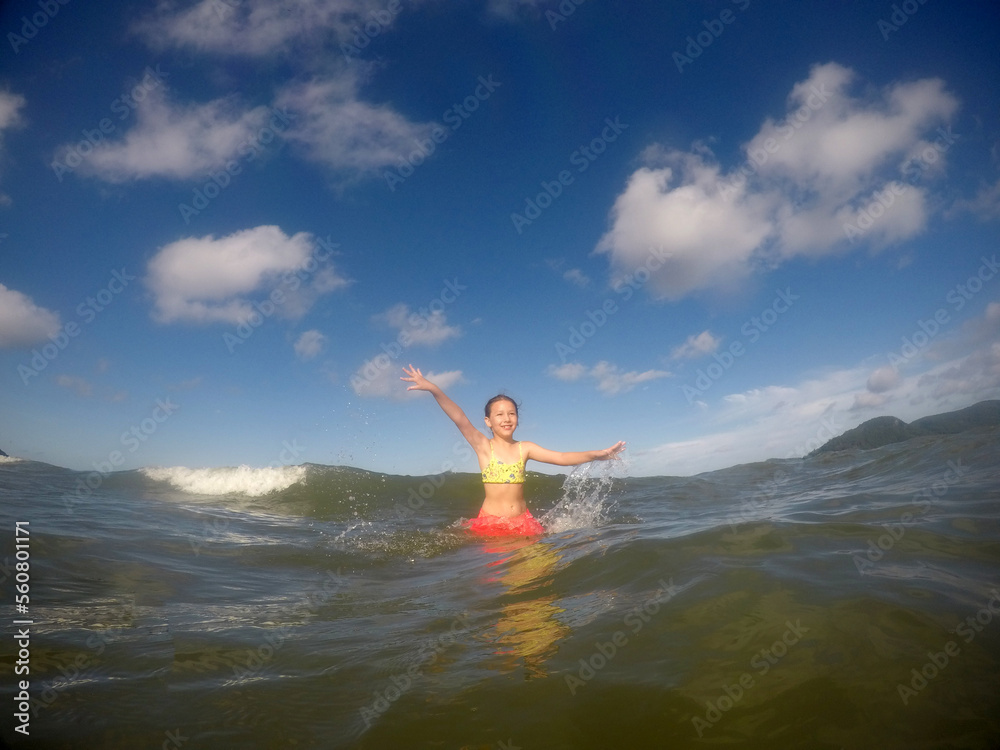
[490, 525]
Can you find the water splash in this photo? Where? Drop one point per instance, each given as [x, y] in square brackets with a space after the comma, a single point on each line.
[585, 501]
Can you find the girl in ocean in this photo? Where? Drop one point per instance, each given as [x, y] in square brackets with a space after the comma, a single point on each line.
[502, 460]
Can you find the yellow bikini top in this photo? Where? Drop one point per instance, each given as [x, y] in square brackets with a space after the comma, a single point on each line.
[497, 472]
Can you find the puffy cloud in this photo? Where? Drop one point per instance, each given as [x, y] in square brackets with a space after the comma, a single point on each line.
[680, 208]
[335, 128]
[418, 328]
[309, 344]
[329, 122]
[697, 346]
[177, 141]
[22, 322]
[883, 379]
[610, 378]
[210, 280]
[828, 173]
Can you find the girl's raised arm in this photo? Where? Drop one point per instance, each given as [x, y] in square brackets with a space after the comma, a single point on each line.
[545, 456]
[476, 438]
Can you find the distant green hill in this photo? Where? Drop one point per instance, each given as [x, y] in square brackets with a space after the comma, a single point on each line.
[884, 430]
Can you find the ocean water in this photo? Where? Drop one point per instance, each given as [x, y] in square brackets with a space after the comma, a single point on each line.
[849, 600]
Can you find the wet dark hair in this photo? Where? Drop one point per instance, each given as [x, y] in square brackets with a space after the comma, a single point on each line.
[500, 397]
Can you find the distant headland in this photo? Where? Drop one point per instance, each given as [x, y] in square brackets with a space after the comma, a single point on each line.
[884, 430]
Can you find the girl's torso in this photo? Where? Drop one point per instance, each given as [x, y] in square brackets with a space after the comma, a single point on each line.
[503, 481]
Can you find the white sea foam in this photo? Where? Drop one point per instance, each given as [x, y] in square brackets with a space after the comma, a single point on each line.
[10, 459]
[228, 480]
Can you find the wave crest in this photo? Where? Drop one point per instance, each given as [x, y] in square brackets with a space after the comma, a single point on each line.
[228, 480]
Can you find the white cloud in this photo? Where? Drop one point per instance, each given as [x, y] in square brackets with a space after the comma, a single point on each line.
[379, 378]
[610, 378]
[10, 117]
[985, 205]
[22, 322]
[568, 372]
[176, 141]
[309, 344]
[335, 128]
[10, 110]
[868, 400]
[577, 277]
[330, 123]
[418, 328]
[883, 379]
[972, 369]
[697, 346]
[834, 159]
[254, 28]
[681, 209]
[209, 280]
[76, 384]
[782, 421]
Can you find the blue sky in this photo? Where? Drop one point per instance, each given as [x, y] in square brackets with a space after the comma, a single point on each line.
[720, 231]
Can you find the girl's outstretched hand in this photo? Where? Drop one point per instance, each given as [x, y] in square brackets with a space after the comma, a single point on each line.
[613, 451]
[420, 383]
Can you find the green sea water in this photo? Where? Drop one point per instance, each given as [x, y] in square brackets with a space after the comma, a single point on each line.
[850, 600]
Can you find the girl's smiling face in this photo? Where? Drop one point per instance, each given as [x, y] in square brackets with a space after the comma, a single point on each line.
[503, 418]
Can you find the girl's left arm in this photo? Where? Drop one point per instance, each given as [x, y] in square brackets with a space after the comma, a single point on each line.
[545, 456]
